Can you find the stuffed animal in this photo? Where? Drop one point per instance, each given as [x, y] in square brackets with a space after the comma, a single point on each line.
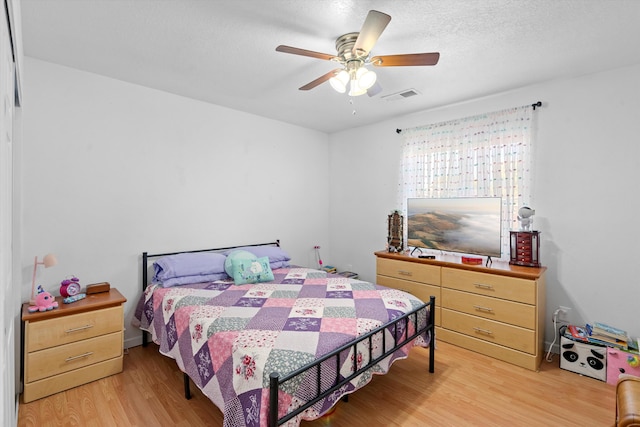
[525, 216]
[44, 301]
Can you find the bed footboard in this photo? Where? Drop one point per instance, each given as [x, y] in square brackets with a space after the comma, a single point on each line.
[427, 330]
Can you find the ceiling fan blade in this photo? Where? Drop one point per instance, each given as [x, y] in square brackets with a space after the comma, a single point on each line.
[406, 60]
[304, 52]
[373, 26]
[320, 80]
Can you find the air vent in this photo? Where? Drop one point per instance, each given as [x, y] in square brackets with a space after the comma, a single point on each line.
[408, 93]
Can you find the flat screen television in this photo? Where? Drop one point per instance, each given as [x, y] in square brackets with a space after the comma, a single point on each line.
[467, 225]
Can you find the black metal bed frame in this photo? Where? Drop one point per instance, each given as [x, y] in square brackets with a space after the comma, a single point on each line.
[275, 381]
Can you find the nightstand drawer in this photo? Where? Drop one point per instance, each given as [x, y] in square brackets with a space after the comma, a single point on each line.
[77, 327]
[493, 285]
[408, 271]
[488, 330]
[513, 313]
[64, 358]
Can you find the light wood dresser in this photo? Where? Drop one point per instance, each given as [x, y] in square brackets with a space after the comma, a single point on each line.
[72, 345]
[497, 310]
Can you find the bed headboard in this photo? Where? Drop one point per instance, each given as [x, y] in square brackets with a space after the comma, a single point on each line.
[146, 256]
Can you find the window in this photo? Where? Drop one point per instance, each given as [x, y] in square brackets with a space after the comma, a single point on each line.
[488, 155]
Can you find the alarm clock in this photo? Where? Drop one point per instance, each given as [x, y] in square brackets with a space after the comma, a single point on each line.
[70, 287]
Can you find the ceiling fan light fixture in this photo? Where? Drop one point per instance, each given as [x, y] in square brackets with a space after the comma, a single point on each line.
[339, 81]
[355, 89]
[366, 78]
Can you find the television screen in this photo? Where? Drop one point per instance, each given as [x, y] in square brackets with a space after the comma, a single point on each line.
[469, 225]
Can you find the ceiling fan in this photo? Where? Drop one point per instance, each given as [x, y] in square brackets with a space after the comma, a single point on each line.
[354, 55]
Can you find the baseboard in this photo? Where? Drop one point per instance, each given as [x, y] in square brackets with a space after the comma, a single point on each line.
[555, 350]
[133, 342]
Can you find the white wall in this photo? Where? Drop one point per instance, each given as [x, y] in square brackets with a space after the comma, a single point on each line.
[112, 169]
[585, 191]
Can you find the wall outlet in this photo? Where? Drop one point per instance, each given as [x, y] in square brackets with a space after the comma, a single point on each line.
[563, 313]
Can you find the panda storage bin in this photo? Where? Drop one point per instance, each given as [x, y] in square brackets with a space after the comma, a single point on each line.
[583, 358]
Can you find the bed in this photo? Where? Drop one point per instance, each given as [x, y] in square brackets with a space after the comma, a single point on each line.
[281, 349]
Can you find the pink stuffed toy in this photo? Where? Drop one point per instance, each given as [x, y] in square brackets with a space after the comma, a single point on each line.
[44, 301]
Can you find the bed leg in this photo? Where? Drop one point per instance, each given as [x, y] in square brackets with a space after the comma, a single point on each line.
[273, 399]
[432, 330]
[187, 389]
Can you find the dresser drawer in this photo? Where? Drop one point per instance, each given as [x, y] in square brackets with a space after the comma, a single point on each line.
[77, 327]
[490, 331]
[64, 358]
[413, 271]
[509, 288]
[513, 313]
[419, 290]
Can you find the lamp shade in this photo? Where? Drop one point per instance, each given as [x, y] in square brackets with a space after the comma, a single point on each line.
[354, 88]
[49, 260]
[366, 78]
[339, 81]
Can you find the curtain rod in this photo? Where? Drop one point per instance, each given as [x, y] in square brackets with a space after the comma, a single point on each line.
[534, 105]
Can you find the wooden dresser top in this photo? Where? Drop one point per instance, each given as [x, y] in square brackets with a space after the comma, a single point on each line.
[455, 261]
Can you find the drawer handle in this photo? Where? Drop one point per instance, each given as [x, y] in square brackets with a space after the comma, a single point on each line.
[405, 273]
[483, 286]
[483, 331]
[480, 308]
[80, 356]
[81, 328]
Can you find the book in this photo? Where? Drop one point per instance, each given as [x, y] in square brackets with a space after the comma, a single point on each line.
[608, 343]
[609, 331]
[597, 338]
[577, 333]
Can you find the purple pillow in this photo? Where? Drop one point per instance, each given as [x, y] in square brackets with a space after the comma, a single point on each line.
[277, 257]
[188, 264]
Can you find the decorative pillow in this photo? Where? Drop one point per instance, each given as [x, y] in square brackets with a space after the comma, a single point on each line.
[277, 257]
[188, 264]
[251, 270]
[236, 254]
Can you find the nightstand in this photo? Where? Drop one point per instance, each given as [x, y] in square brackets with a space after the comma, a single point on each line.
[72, 345]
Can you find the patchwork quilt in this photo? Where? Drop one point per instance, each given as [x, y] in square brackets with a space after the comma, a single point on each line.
[230, 338]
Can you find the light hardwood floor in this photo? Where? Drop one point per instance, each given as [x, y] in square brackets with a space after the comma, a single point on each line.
[466, 389]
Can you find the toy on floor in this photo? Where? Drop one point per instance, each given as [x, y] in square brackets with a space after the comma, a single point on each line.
[44, 301]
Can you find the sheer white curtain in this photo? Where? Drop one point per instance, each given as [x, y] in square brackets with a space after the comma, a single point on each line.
[488, 155]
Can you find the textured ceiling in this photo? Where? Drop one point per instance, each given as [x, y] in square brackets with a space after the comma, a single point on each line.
[223, 52]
